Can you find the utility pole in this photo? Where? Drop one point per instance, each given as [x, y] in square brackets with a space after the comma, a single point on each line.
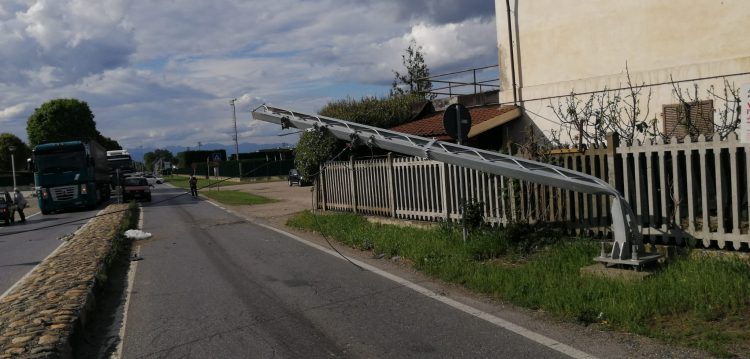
[236, 144]
[13, 165]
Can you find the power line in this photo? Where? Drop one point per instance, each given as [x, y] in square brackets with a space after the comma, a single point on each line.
[629, 87]
[540, 116]
[127, 209]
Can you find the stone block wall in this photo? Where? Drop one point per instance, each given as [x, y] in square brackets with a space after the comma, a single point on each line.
[39, 316]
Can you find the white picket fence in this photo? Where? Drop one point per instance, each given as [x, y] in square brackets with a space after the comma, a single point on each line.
[674, 189]
[694, 190]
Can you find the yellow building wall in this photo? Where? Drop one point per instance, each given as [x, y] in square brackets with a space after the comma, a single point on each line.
[564, 46]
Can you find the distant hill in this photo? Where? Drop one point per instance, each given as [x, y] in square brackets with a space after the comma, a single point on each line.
[137, 153]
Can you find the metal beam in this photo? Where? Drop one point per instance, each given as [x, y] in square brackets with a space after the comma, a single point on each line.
[628, 244]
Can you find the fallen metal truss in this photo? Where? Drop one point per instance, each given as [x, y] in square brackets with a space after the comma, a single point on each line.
[628, 243]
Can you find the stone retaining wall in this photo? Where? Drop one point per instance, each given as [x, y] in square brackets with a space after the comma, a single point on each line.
[39, 316]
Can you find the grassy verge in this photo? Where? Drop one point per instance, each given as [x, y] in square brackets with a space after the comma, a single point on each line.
[236, 197]
[203, 181]
[230, 197]
[182, 182]
[700, 302]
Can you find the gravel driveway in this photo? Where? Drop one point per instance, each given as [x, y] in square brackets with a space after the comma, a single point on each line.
[289, 200]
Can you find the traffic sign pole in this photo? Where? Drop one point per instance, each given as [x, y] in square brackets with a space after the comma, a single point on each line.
[461, 198]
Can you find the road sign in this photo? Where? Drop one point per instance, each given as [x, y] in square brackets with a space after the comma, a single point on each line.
[457, 121]
[216, 157]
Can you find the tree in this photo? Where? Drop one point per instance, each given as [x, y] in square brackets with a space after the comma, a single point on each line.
[165, 155]
[313, 148]
[618, 111]
[414, 80]
[729, 110]
[61, 120]
[108, 143]
[20, 153]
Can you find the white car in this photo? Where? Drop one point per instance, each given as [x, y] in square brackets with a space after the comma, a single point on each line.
[151, 180]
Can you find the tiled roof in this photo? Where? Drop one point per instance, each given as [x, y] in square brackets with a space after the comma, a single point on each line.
[432, 124]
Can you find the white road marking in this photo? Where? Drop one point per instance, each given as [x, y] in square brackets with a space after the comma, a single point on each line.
[534, 336]
[131, 279]
[539, 338]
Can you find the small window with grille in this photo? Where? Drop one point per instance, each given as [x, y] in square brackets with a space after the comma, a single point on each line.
[689, 118]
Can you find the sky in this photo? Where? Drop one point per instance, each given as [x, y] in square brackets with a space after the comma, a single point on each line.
[162, 73]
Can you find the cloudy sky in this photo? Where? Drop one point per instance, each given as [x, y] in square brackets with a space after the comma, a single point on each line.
[159, 73]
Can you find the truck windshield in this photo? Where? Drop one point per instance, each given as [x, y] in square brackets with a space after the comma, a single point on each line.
[120, 163]
[48, 163]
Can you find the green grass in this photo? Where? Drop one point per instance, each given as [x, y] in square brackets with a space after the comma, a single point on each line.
[235, 198]
[701, 302]
[230, 197]
[182, 182]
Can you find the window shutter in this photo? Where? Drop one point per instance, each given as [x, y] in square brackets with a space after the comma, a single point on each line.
[683, 119]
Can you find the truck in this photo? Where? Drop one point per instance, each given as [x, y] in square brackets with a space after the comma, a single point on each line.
[68, 175]
[120, 166]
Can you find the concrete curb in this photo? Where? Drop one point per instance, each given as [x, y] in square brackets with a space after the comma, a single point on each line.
[38, 318]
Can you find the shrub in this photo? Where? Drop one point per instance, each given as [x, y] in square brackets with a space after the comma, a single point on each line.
[384, 112]
[313, 148]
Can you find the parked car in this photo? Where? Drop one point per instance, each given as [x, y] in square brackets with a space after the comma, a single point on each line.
[150, 179]
[160, 180]
[296, 178]
[136, 188]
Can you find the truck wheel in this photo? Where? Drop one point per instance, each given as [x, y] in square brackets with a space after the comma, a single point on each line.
[44, 211]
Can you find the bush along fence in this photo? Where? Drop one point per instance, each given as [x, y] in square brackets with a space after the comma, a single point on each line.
[250, 168]
[693, 191]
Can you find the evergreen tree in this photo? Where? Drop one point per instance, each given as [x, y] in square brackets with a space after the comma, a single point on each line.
[414, 79]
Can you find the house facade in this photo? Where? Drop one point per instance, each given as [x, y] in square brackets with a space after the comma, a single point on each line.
[549, 49]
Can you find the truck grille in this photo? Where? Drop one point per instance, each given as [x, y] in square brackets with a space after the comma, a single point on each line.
[64, 193]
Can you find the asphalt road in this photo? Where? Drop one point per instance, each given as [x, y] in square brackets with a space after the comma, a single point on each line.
[212, 285]
[24, 245]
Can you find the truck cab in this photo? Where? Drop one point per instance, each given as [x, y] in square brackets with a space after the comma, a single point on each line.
[71, 174]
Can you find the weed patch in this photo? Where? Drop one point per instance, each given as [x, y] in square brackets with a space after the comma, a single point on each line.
[693, 302]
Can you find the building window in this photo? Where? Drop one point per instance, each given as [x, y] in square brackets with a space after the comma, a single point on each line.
[689, 118]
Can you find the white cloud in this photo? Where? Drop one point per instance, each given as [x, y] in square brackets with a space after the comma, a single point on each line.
[472, 42]
[162, 73]
[12, 111]
[63, 39]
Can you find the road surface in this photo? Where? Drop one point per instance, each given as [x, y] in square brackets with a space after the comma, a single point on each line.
[211, 284]
[24, 245]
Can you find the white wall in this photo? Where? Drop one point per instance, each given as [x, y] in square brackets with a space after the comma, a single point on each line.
[567, 45]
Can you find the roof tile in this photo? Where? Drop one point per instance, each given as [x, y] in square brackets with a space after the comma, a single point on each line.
[432, 124]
